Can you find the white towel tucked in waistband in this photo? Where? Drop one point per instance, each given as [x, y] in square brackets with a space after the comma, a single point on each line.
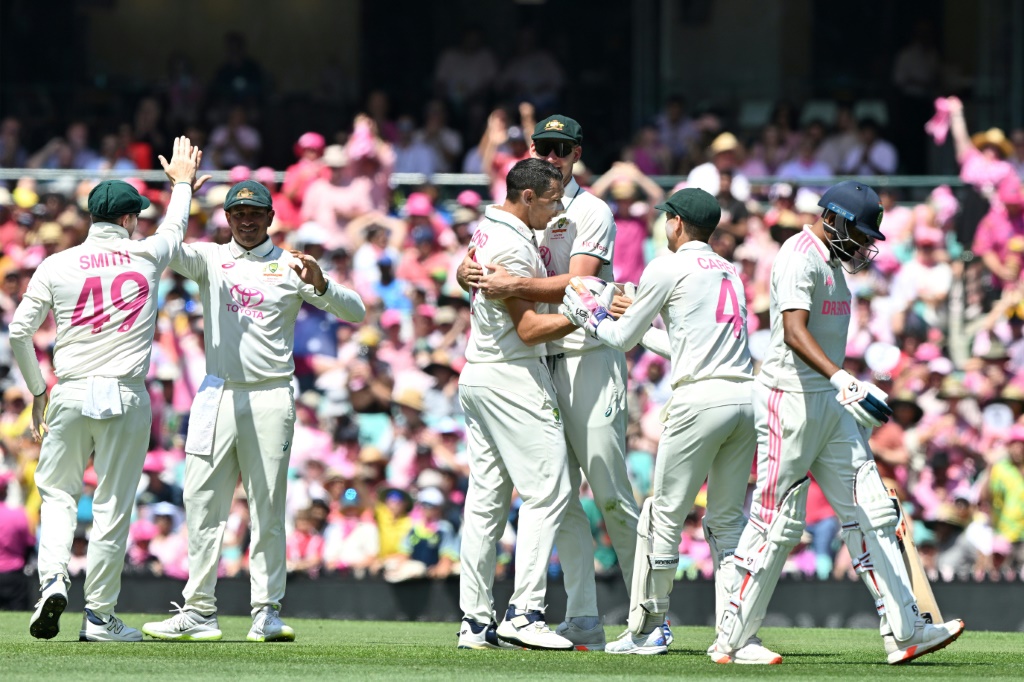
[203, 417]
[102, 398]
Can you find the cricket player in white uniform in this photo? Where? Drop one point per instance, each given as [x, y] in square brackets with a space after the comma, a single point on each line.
[103, 297]
[813, 415]
[589, 377]
[243, 416]
[513, 427]
[709, 422]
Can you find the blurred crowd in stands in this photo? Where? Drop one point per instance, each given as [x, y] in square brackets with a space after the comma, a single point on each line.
[379, 470]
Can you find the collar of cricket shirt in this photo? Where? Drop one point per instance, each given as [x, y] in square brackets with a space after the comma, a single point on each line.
[107, 231]
[572, 190]
[261, 251]
[496, 215]
[695, 246]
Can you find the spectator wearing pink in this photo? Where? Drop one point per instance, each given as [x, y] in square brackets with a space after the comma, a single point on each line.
[767, 154]
[168, 546]
[15, 544]
[626, 182]
[393, 350]
[649, 153]
[371, 160]
[922, 286]
[139, 557]
[285, 213]
[351, 542]
[424, 265]
[999, 239]
[982, 157]
[899, 223]
[309, 167]
[332, 201]
[304, 550]
[309, 443]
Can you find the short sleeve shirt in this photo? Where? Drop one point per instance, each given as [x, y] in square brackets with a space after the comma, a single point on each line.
[805, 277]
[502, 239]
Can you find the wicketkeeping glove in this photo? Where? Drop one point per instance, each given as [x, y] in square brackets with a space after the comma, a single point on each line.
[862, 399]
[582, 307]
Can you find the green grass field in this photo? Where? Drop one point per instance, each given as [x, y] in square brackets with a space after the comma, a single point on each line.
[426, 651]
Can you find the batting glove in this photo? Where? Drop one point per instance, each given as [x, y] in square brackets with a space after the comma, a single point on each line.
[862, 399]
[582, 307]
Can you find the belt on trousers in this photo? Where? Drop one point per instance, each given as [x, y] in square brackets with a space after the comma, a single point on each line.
[550, 360]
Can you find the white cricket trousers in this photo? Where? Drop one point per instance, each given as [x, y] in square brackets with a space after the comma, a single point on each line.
[709, 433]
[515, 440]
[591, 392]
[118, 446]
[801, 432]
[253, 437]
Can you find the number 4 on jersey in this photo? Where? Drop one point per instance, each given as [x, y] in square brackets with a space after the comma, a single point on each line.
[92, 296]
[728, 309]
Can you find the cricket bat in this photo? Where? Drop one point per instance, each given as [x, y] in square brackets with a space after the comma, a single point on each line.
[915, 569]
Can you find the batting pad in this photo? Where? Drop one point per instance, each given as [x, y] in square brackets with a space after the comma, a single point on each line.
[877, 558]
[762, 554]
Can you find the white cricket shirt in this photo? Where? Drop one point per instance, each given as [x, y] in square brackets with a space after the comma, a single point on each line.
[701, 299]
[250, 302]
[587, 227]
[805, 277]
[103, 296]
[502, 239]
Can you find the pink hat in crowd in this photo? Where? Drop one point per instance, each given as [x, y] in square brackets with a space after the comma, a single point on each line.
[143, 531]
[887, 263]
[264, 175]
[940, 365]
[154, 464]
[426, 310]
[1010, 191]
[468, 198]
[6, 477]
[310, 140]
[90, 477]
[1001, 545]
[138, 184]
[1016, 433]
[239, 174]
[418, 204]
[390, 318]
[927, 352]
[926, 235]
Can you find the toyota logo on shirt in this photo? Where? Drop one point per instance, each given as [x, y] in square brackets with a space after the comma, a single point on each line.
[246, 297]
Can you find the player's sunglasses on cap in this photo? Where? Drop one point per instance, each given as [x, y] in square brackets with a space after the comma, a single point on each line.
[561, 148]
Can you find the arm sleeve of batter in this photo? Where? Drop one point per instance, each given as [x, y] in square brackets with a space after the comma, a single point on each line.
[656, 284]
[793, 281]
[30, 313]
[595, 233]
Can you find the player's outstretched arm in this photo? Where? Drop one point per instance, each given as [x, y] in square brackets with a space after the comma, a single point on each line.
[326, 295]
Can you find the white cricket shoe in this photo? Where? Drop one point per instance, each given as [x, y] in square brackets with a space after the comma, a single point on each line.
[474, 635]
[667, 631]
[926, 639]
[583, 640]
[529, 631]
[185, 626]
[751, 653]
[110, 628]
[45, 623]
[645, 645]
[267, 626]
